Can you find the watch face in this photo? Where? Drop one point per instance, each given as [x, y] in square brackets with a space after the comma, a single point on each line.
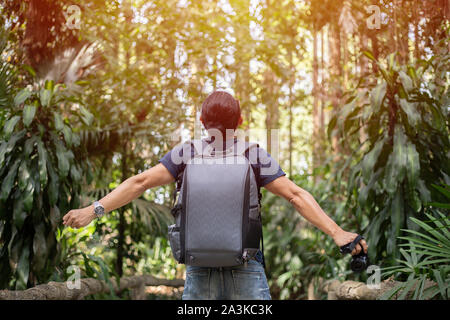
[99, 210]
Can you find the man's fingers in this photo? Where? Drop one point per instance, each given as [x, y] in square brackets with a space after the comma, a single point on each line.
[67, 216]
[357, 249]
[70, 221]
[364, 245]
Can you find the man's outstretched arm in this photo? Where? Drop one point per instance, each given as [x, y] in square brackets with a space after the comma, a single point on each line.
[126, 192]
[307, 206]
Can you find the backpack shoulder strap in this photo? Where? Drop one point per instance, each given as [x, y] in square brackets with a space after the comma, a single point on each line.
[198, 147]
[243, 146]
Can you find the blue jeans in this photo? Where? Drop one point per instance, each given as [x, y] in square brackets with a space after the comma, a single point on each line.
[226, 283]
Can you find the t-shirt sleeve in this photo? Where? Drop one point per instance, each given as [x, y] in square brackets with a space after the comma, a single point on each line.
[269, 168]
[173, 161]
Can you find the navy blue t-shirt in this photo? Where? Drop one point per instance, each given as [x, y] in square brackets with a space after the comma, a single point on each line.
[266, 168]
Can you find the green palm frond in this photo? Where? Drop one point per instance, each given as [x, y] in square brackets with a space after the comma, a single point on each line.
[156, 217]
[426, 260]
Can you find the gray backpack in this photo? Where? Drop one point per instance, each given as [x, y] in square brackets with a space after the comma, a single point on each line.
[217, 213]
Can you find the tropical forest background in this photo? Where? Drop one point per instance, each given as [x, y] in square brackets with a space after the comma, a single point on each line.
[94, 92]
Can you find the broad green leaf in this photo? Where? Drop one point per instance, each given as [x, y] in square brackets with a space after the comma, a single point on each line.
[439, 205]
[364, 192]
[10, 125]
[67, 132]
[385, 74]
[28, 114]
[371, 158]
[75, 173]
[406, 81]
[49, 85]
[29, 146]
[414, 200]
[86, 116]
[24, 175]
[331, 126]
[377, 96]
[425, 194]
[55, 216]
[59, 124]
[43, 157]
[3, 145]
[412, 73]
[14, 248]
[9, 180]
[391, 63]
[39, 247]
[397, 221]
[438, 120]
[396, 165]
[411, 112]
[23, 268]
[21, 97]
[413, 164]
[28, 195]
[53, 186]
[369, 55]
[375, 231]
[45, 97]
[19, 213]
[444, 191]
[75, 139]
[63, 163]
[11, 144]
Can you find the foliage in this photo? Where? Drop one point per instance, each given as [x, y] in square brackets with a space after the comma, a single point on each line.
[297, 254]
[404, 147]
[41, 176]
[145, 220]
[143, 69]
[426, 257]
[41, 31]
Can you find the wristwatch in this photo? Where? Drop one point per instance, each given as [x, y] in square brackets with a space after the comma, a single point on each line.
[99, 209]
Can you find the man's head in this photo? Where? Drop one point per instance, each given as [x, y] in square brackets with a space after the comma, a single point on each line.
[221, 111]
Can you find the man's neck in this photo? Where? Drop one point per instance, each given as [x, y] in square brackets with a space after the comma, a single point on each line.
[225, 143]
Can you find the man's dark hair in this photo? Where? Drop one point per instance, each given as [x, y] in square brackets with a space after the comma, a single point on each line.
[221, 111]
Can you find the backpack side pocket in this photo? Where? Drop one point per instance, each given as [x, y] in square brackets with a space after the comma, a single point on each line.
[175, 241]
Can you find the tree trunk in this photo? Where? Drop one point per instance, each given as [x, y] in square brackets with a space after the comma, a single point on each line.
[315, 111]
[416, 20]
[375, 50]
[335, 70]
[270, 96]
[353, 290]
[122, 221]
[291, 101]
[88, 286]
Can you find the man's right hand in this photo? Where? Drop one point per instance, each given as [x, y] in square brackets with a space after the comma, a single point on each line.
[342, 238]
